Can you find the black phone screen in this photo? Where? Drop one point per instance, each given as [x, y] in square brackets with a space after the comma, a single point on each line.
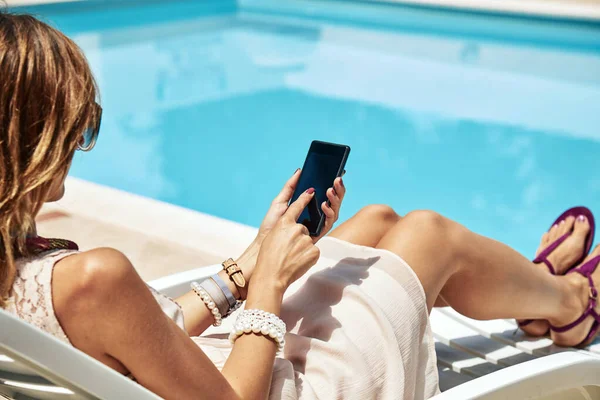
[324, 163]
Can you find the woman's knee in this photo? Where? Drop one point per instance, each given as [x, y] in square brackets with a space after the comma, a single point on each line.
[432, 227]
[433, 222]
[380, 213]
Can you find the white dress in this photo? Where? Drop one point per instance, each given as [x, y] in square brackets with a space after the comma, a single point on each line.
[358, 326]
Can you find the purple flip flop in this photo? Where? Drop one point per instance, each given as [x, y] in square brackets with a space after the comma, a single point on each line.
[543, 256]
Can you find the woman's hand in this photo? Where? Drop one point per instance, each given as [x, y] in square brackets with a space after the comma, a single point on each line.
[332, 212]
[279, 206]
[288, 251]
[335, 195]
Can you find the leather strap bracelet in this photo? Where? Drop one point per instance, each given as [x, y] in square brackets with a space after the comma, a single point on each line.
[225, 289]
[235, 274]
[233, 303]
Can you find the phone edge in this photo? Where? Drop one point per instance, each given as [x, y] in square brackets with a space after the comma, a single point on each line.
[339, 173]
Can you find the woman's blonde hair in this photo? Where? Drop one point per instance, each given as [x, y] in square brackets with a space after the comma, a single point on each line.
[47, 101]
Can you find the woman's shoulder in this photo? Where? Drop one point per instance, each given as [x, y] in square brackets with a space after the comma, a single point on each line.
[75, 266]
[87, 272]
[47, 285]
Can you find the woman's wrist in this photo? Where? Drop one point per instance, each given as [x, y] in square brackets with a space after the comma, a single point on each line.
[263, 281]
[265, 294]
[247, 263]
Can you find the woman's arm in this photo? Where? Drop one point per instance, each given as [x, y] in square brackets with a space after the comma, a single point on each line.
[197, 317]
[286, 254]
[107, 311]
[255, 350]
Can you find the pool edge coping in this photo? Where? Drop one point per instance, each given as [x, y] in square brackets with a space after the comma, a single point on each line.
[582, 11]
[160, 220]
[576, 11]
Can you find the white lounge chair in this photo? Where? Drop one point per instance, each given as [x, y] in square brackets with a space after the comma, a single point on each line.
[476, 360]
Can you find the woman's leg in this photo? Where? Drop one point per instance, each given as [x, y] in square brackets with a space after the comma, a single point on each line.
[368, 226]
[479, 277]
[562, 258]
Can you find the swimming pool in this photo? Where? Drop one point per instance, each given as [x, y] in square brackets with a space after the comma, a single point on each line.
[492, 121]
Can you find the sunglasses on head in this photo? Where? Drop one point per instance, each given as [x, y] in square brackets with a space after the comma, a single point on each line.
[90, 136]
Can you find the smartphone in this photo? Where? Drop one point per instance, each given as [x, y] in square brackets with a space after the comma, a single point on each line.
[324, 162]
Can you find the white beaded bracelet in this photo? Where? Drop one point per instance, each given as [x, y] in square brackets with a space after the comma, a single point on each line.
[259, 321]
[212, 307]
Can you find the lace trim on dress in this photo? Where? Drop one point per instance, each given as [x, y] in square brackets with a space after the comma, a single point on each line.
[31, 296]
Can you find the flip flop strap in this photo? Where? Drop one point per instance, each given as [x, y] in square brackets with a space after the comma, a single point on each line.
[589, 311]
[585, 270]
[543, 256]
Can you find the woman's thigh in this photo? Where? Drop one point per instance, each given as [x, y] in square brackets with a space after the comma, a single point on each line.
[368, 226]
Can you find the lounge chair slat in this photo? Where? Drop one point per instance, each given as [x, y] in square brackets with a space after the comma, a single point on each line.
[505, 332]
[458, 335]
[463, 362]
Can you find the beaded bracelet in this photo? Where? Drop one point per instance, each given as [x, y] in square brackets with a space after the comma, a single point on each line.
[217, 295]
[259, 321]
[212, 307]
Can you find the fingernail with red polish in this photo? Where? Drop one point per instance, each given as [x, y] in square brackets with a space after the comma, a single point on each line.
[310, 191]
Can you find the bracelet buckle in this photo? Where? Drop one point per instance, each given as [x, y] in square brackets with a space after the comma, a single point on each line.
[234, 272]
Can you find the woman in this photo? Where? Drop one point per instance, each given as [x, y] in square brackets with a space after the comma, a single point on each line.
[357, 321]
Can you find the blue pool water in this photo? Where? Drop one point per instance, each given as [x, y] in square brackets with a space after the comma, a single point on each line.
[494, 122]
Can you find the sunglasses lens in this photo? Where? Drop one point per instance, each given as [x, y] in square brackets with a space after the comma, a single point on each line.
[90, 136]
[88, 140]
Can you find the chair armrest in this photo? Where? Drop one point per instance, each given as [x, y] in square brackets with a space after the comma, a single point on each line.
[64, 365]
[178, 284]
[531, 379]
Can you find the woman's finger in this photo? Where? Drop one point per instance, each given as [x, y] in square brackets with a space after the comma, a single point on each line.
[335, 201]
[288, 189]
[338, 185]
[295, 209]
[328, 211]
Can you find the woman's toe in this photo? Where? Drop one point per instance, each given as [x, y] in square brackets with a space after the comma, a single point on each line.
[545, 239]
[553, 233]
[566, 225]
[581, 227]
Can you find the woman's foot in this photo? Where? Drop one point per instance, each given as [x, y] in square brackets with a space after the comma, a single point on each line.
[562, 258]
[575, 306]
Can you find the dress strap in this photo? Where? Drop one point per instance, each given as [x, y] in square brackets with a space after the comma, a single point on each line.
[37, 244]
